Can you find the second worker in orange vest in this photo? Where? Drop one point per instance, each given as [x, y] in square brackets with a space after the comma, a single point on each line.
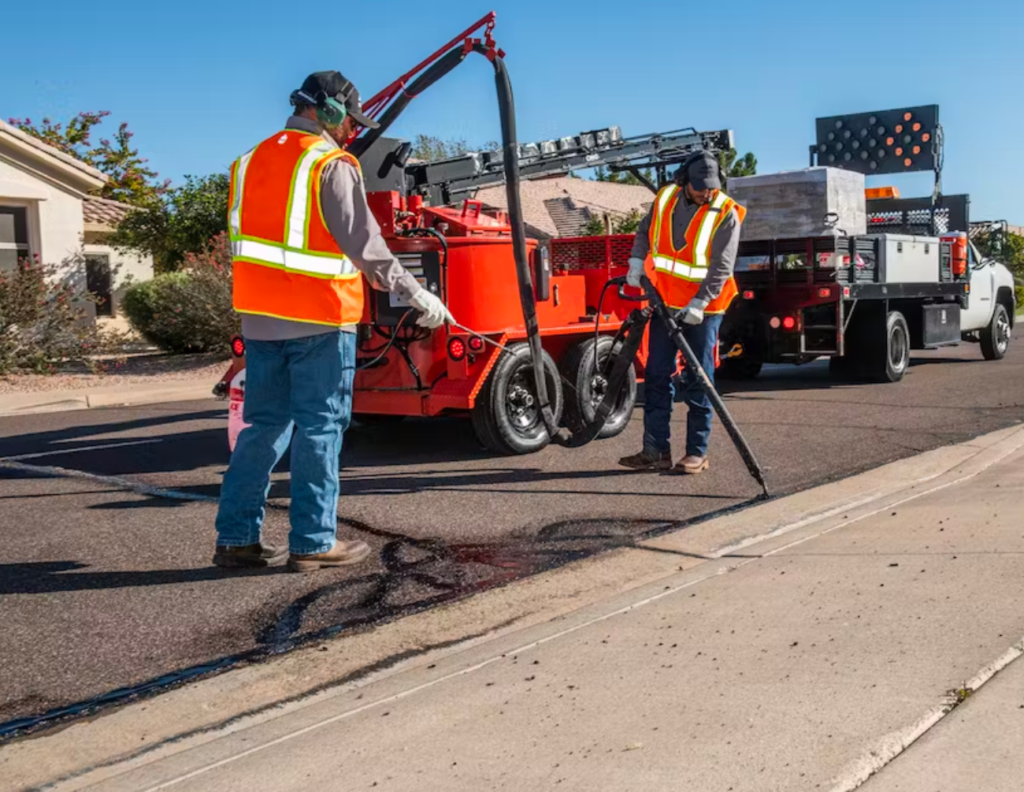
[692, 235]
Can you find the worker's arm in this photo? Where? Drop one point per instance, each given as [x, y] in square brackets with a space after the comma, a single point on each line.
[642, 243]
[724, 247]
[355, 229]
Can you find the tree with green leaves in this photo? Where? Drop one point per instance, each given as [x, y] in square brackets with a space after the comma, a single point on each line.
[601, 174]
[181, 222]
[429, 148]
[734, 165]
[129, 179]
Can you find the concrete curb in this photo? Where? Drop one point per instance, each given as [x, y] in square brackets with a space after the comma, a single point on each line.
[63, 401]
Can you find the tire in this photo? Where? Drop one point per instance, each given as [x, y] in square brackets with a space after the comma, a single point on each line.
[582, 401]
[889, 350]
[506, 417]
[995, 339]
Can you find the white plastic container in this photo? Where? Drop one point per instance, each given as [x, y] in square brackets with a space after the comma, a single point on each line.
[236, 401]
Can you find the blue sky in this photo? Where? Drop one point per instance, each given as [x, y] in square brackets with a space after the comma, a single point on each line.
[200, 82]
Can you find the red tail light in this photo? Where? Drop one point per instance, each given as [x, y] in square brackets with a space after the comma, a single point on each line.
[476, 343]
[748, 295]
[456, 348]
[825, 293]
[788, 323]
[237, 346]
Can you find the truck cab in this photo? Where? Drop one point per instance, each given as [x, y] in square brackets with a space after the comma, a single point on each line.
[988, 317]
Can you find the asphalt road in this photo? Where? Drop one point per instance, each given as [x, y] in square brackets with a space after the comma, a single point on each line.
[104, 589]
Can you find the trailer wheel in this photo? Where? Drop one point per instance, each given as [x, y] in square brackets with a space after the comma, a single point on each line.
[995, 339]
[588, 389]
[506, 416]
[889, 350]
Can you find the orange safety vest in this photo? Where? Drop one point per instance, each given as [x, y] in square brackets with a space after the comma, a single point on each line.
[679, 273]
[285, 262]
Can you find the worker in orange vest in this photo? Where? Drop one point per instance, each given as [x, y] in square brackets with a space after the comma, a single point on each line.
[302, 240]
[692, 233]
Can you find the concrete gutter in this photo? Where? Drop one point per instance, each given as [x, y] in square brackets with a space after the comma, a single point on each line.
[90, 398]
[184, 730]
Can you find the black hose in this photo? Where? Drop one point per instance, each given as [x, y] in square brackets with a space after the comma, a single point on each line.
[439, 69]
[510, 146]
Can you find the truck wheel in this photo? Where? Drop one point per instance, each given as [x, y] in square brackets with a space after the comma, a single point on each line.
[995, 339]
[588, 389]
[890, 357]
[506, 416]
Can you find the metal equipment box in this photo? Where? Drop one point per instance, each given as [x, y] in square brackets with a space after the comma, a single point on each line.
[812, 202]
[908, 259]
[940, 325]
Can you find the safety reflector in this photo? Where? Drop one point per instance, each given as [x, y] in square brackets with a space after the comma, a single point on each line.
[748, 295]
[825, 293]
[456, 348]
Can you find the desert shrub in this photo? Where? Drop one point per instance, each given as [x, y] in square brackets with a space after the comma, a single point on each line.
[44, 320]
[189, 310]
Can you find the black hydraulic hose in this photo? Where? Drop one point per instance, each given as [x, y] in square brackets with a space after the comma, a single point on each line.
[510, 146]
[449, 61]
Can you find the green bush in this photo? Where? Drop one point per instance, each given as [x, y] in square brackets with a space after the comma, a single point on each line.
[43, 321]
[1020, 298]
[190, 310]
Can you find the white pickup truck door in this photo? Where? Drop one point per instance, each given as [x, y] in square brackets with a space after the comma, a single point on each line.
[979, 310]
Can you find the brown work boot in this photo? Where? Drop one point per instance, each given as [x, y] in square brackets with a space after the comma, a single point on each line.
[648, 460]
[343, 554]
[690, 464]
[248, 556]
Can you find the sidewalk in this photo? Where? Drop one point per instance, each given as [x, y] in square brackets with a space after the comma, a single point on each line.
[799, 644]
[108, 396]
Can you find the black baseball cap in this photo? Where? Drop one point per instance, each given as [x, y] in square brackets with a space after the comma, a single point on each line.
[334, 85]
[702, 173]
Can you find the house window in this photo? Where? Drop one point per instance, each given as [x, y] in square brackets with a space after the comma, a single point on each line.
[97, 281]
[13, 236]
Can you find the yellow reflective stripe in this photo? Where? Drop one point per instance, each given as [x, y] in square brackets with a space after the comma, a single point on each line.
[663, 200]
[702, 245]
[290, 259]
[235, 216]
[680, 269]
[293, 319]
[298, 199]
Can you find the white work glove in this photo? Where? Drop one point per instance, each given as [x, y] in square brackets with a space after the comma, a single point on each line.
[433, 312]
[636, 269]
[693, 314]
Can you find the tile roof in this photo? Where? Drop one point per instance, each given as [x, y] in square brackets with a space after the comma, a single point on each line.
[103, 211]
[569, 200]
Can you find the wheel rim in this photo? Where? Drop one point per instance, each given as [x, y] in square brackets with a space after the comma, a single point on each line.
[1002, 331]
[521, 404]
[898, 349]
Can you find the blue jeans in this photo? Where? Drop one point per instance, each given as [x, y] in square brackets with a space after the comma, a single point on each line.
[303, 384]
[659, 391]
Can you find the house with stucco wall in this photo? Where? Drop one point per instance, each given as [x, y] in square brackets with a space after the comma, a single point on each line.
[48, 210]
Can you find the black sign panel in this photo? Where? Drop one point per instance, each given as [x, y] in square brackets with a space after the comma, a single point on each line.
[887, 141]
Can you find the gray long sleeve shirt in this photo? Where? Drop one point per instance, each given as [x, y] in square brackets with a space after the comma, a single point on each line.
[724, 245]
[354, 228]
